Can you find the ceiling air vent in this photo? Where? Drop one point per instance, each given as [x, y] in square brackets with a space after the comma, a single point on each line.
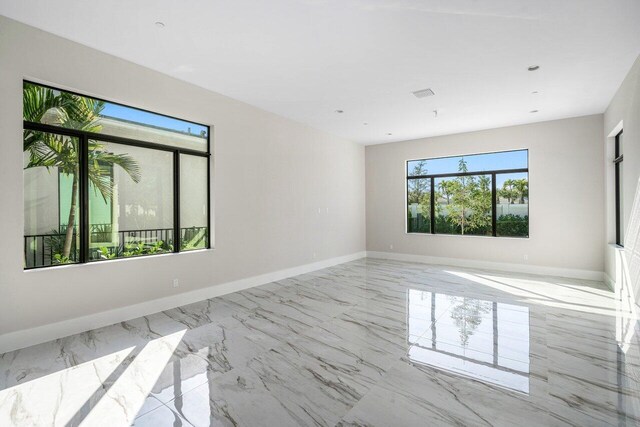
[423, 93]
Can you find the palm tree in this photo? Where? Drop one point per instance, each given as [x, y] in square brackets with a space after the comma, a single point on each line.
[66, 110]
[521, 187]
[508, 190]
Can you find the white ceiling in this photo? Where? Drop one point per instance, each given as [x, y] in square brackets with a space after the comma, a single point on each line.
[304, 59]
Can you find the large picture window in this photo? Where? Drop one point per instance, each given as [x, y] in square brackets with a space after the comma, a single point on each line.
[480, 194]
[105, 181]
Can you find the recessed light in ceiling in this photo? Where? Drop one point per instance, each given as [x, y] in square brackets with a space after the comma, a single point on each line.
[534, 68]
[533, 111]
[365, 123]
[535, 92]
[389, 134]
[339, 111]
[423, 93]
[159, 24]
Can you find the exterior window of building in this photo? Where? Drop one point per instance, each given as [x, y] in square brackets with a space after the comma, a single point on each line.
[105, 181]
[479, 194]
[619, 191]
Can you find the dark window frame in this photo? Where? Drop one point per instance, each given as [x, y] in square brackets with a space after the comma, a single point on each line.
[83, 143]
[618, 158]
[432, 177]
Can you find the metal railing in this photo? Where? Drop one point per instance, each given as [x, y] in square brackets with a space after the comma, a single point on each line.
[42, 250]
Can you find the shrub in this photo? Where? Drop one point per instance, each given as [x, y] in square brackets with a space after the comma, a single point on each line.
[506, 225]
[420, 224]
[512, 225]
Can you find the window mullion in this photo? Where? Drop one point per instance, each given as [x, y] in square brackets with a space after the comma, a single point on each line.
[176, 201]
[433, 206]
[494, 205]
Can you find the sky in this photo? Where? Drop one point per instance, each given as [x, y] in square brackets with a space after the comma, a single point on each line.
[144, 117]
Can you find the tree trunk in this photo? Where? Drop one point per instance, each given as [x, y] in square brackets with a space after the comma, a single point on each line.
[68, 239]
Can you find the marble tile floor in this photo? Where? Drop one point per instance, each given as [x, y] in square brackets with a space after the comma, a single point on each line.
[366, 343]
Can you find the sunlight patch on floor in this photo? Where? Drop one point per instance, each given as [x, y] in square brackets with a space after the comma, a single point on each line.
[548, 293]
[56, 398]
[127, 395]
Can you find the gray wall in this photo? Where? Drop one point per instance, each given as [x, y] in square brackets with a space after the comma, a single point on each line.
[623, 266]
[282, 192]
[566, 195]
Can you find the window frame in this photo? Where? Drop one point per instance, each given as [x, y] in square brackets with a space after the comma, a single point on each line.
[83, 145]
[618, 158]
[432, 177]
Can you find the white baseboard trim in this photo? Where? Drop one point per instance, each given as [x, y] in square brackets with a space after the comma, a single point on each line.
[609, 282]
[28, 337]
[488, 265]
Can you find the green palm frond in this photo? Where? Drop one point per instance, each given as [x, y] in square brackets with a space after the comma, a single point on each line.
[102, 183]
[38, 100]
[100, 176]
[50, 150]
[82, 113]
[75, 112]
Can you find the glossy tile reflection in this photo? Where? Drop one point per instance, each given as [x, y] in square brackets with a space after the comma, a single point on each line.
[371, 342]
[485, 340]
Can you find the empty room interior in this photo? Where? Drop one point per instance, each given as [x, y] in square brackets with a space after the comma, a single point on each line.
[320, 213]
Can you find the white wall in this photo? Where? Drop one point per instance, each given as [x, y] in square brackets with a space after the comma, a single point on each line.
[623, 266]
[566, 196]
[304, 188]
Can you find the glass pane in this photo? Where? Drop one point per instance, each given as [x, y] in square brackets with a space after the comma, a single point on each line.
[193, 202]
[512, 205]
[51, 199]
[419, 205]
[130, 201]
[473, 163]
[68, 110]
[463, 205]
